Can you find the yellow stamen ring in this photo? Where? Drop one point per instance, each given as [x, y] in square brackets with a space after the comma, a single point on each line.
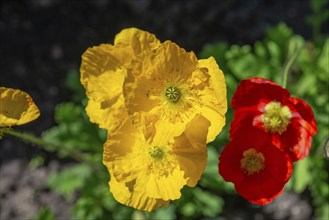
[276, 117]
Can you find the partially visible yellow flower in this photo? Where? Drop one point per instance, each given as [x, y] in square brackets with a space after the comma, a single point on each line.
[147, 174]
[167, 86]
[16, 107]
[103, 72]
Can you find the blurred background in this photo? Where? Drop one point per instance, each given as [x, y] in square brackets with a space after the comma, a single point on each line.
[41, 43]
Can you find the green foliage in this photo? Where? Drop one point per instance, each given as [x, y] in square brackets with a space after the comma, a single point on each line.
[36, 162]
[74, 131]
[319, 17]
[74, 178]
[45, 214]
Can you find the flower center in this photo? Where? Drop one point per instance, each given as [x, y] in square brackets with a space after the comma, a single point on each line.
[156, 152]
[252, 161]
[173, 94]
[276, 117]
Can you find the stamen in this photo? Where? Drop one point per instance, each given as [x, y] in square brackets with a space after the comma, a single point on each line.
[173, 94]
[276, 117]
[156, 152]
[252, 161]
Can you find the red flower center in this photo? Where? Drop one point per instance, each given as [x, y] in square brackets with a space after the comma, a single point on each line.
[276, 117]
[252, 161]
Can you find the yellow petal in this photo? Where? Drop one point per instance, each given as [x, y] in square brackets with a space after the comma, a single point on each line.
[123, 152]
[191, 150]
[135, 199]
[16, 107]
[136, 40]
[103, 71]
[103, 77]
[163, 187]
[213, 97]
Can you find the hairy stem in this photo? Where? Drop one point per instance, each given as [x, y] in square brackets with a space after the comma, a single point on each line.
[76, 155]
[288, 66]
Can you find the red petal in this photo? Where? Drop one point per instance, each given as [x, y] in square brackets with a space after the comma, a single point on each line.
[250, 91]
[306, 113]
[277, 164]
[245, 132]
[243, 119]
[259, 188]
[229, 163]
[296, 141]
[264, 201]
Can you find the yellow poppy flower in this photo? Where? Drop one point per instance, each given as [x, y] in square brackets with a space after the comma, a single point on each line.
[168, 86]
[103, 72]
[146, 174]
[16, 107]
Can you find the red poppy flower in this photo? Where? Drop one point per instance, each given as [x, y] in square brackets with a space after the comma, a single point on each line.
[258, 169]
[288, 121]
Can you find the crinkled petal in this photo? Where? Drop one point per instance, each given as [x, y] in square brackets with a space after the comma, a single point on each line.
[16, 107]
[191, 150]
[103, 77]
[136, 40]
[123, 152]
[213, 97]
[306, 113]
[105, 115]
[250, 91]
[166, 187]
[136, 199]
[296, 141]
[103, 71]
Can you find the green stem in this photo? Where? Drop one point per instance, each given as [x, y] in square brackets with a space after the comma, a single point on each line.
[38, 141]
[288, 67]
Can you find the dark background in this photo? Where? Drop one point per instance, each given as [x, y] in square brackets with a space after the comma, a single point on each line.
[42, 40]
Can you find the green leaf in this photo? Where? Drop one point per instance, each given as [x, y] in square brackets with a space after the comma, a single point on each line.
[302, 175]
[72, 82]
[70, 179]
[45, 214]
[36, 162]
[323, 61]
[280, 35]
[164, 213]
[211, 204]
[67, 113]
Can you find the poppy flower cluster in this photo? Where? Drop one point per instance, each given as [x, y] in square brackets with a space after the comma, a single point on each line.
[269, 132]
[160, 106]
[16, 107]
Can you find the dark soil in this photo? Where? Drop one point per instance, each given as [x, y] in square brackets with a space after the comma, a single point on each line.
[41, 40]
